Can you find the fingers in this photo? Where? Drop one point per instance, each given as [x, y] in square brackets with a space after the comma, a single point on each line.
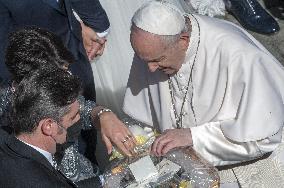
[101, 50]
[120, 143]
[130, 136]
[171, 139]
[92, 53]
[167, 147]
[99, 40]
[108, 144]
[123, 144]
[117, 133]
[129, 145]
[97, 48]
[160, 143]
[92, 42]
[128, 140]
[133, 138]
[121, 147]
[88, 46]
[167, 141]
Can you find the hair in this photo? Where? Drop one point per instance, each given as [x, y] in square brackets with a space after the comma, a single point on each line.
[31, 48]
[46, 93]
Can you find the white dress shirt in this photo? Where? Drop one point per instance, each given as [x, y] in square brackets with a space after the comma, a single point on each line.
[46, 154]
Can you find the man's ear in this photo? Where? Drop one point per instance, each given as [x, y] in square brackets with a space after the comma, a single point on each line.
[184, 40]
[47, 126]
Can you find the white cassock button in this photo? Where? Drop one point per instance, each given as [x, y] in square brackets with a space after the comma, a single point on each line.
[180, 75]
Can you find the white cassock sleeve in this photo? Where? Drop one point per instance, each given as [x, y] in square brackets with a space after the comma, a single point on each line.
[256, 127]
[210, 142]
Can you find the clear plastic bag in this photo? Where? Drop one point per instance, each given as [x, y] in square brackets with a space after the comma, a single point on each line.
[179, 168]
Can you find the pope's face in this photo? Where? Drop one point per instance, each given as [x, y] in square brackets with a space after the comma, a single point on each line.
[158, 56]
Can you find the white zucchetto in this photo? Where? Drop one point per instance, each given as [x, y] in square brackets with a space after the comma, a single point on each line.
[160, 18]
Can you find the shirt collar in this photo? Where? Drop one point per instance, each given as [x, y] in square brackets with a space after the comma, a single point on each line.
[46, 154]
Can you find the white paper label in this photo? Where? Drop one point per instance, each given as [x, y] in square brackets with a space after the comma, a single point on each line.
[144, 170]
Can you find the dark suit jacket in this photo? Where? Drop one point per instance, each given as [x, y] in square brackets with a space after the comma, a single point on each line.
[48, 14]
[24, 167]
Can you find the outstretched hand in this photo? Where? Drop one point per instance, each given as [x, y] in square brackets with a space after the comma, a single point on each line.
[115, 132]
[170, 139]
[93, 44]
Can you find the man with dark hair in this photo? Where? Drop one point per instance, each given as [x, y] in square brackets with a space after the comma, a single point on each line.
[44, 106]
[37, 48]
[28, 50]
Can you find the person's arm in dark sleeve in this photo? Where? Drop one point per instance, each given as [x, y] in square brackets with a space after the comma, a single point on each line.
[92, 14]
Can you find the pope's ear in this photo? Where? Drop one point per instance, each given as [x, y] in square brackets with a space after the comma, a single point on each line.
[47, 126]
[184, 40]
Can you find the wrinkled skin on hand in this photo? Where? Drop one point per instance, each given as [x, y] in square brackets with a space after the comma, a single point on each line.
[114, 131]
[93, 44]
[170, 139]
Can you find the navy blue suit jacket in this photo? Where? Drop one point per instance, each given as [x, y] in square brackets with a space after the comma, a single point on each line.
[60, 20]
[24, 167]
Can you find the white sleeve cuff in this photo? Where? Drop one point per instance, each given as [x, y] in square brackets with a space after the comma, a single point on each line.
[101, 34]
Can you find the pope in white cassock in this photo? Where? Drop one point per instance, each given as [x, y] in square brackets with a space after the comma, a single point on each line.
[208, 84]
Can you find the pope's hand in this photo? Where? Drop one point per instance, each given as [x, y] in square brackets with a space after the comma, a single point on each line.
[169, 139]
[114, 131]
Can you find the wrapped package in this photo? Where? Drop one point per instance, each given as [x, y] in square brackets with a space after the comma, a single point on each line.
[179, 168]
